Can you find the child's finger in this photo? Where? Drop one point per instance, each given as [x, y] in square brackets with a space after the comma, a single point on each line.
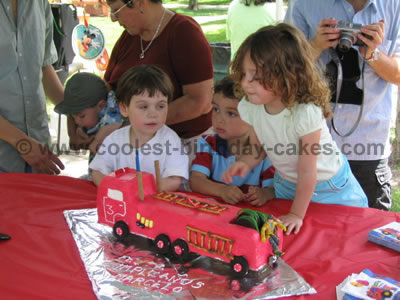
[289, 229]
[256, 202]
[242, 172]
[251, 197]
[226, 177]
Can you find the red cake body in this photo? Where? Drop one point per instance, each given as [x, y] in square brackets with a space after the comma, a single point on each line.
[204, 225]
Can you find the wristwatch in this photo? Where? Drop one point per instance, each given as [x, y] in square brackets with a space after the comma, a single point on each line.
[374, 56]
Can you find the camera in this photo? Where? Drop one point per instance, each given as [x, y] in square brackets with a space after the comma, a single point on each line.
[348, 35]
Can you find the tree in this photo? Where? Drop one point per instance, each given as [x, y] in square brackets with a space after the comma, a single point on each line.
[193, 4]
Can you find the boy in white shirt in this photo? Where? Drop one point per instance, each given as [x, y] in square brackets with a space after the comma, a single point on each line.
[143, 93]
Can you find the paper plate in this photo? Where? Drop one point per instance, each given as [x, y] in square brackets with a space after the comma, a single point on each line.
[88, 43]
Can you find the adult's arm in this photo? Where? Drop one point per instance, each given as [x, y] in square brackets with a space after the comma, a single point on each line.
[387, 67]
[52, 85]
[196, 101]
[192, 64]
[34, 153]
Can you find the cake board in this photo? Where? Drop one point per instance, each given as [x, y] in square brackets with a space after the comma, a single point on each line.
[132, 270]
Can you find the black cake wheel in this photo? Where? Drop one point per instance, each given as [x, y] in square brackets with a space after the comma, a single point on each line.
[240, 266]
[162, 243]
[180, 250]
[120, 230]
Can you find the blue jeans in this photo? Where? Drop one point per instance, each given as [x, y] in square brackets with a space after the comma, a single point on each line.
[343, 189]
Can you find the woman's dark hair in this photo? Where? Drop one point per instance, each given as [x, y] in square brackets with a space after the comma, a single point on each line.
[226, 87]
[140, 79]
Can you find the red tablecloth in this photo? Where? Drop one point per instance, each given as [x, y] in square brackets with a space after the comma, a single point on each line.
[41, 261]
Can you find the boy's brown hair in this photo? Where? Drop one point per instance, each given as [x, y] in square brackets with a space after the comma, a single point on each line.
[140, 79]
[226, 87]
[283, 58]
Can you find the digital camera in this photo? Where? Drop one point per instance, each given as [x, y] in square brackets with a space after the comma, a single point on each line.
[348, 35]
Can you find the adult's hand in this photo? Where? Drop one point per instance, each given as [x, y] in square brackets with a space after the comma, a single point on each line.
[38, 156]
[327, 36]
[375, 35]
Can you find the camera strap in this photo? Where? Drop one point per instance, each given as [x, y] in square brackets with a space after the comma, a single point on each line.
[338, 63]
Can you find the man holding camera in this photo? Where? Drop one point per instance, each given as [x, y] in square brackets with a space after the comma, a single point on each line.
[364, 63]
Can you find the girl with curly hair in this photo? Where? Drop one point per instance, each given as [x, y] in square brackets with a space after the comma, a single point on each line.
[286, 102]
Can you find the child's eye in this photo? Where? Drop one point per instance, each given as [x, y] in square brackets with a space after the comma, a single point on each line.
[232, 114]
[161, 106]
[216, 109]
[143, 107]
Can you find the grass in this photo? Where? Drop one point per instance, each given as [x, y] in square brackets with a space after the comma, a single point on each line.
[214, 30]
[396, 193]
[396, 199]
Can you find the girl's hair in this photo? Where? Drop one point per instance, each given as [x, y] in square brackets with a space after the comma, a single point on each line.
[283, 58]
[140, 79]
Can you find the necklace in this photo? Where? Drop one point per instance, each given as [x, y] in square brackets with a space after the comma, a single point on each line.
[141, 56]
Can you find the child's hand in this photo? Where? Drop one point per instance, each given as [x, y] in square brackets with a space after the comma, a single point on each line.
[101, 134]
[239, 168]
[95, 144]
[79, 139]
[231, 194]
[292, 223]
[259, 196]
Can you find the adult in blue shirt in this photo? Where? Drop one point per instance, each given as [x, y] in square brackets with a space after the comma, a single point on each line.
[26, 74]
[367, 146]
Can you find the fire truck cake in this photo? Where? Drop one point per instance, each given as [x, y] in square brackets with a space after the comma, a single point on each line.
[180, 223]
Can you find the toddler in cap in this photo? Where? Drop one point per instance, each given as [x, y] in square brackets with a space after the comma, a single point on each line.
[87, 99]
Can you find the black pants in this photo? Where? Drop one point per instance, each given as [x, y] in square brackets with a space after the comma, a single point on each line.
[374, 177]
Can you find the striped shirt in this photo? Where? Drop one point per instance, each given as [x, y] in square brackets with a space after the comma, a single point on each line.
[213, 157]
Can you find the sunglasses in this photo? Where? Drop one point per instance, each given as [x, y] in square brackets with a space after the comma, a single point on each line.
[114, 14]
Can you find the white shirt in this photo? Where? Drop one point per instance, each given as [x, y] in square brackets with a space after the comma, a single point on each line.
[116, 152]
[244, 20]
[280, 137]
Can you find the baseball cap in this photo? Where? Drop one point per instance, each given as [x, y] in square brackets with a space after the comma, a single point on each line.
[82, 90]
